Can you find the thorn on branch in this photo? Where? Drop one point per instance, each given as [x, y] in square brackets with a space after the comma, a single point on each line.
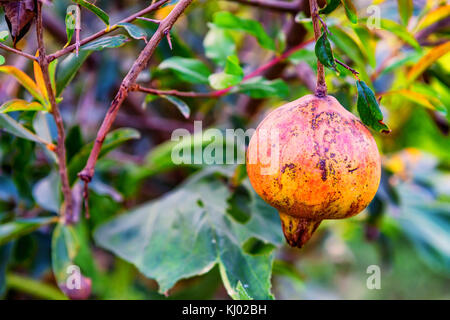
[150, 20]
[169, 39]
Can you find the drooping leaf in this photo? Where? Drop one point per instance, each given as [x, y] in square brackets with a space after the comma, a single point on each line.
[25, 81]
[134, 31]
[40, 82]
[190, 70]
[187, 232]
[330, 7]
[424, 100]
[259, 87]
[427, 60]
[105, 43]
[229, 21]
[21, 105]
[231, 76]
[350, 11]
[94, 9]
[401, 32]
[19, 16]
[368, 108]
[324, 53]
[219, 45]
[405, 10]
[13, 127]
[180, 104]
[68, 68]
[20, 227]
[113, 140]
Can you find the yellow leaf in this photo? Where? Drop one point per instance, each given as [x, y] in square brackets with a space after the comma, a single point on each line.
[164, 12]
[39, 78]
[415, 97]
[427, 60]
[434, 16]
[21, 105]
[24, 80]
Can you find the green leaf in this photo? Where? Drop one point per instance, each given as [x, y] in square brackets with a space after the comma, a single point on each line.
[68, 68]
[96, 10]
[180, 104]
[425, 221]
[405, 10]
[20, 227]
[13, 127]
[330, 7]
[401, 32]
[369, 46]
[187, 69]
[229, 21]
[21, 105]
[187, 232]
[219, 45]
[240, 293]
[65, 248]
[324, 53]
[260, 87]
[231, 76]
[347, 45]
[368, 108]
[2, 60]
[134, 31]
[106, 42]
[113, 140]
[46, 192]
[350, 11]
[4, 35]
[69, 20]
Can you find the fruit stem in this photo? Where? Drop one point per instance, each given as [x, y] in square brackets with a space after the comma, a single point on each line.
[297, 231]
[321, 86]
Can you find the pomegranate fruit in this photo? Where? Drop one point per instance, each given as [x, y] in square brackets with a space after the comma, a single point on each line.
[312, 160]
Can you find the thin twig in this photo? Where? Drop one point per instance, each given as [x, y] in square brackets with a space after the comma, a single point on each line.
[321, 87]
[21, 53]
[97, 35]
[355, 73]
[88, 172]
[60, 149]
[291, 7]
[220, 93]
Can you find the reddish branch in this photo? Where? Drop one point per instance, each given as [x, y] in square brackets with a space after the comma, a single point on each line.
[321, 87]
[21, 53]
[274, 5]
[163, 29]
[60, 149]
[219, 93]
[101, 33]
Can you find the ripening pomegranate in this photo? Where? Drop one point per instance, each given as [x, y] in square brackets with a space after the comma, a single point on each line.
[312, 160]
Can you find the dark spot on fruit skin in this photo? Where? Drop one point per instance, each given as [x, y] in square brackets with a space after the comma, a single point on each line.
[332, 155]
[290, 166]
[351, 170]
[323, 168]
